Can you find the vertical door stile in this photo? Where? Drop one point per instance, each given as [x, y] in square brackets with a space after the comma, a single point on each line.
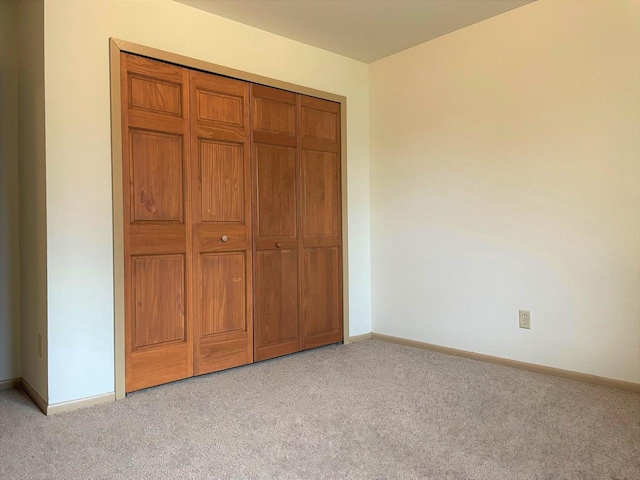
[196, 186]
[299, 219]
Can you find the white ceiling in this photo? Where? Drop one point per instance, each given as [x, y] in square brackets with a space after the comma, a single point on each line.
[366, 30]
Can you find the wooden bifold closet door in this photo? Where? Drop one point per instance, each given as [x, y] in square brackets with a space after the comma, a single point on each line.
[297, 219]
[223, 181]
[320, 222]
[221, 209]
[157, 222]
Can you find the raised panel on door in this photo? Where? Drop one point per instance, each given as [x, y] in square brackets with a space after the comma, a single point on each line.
[320, 195]
[216, 107]
[224, 285]
[156, 176]
[155, 95]
[321, 296]
[277, 330]
[223, 320]
[222, 175]
[158, 295]
[224, 311]
[276, 205]
[157, 250]
[273, 113]
[319, 124]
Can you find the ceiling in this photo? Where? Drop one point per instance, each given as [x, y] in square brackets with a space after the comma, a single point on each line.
[366, 30]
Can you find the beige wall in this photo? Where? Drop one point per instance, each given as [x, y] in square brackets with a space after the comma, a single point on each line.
[505, 175]
[33, 221]
[9, 219]
[80, 277]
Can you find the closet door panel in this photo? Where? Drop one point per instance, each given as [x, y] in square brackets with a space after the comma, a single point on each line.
[321, 296]
[322, 321]
[156, 177]
[276, 172]
[155, 134]
[221, 108]
[276, 222]
[321, 195]
[158, 295]
[221, 192]
[276, 308]
[153, 94]
[222, 171]
[224, 306]
[274, 111]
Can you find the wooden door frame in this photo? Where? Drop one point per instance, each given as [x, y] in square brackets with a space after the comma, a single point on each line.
[117, 46]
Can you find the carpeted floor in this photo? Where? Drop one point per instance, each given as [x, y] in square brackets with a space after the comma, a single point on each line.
[367, 410]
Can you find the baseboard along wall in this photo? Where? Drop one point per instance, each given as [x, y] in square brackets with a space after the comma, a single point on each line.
[54, 408]
[358, 338]
[80, 403]
[35, 396]
[9, 384]
[532, 367]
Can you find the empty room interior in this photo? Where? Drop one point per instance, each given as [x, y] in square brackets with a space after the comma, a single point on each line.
[320, 239]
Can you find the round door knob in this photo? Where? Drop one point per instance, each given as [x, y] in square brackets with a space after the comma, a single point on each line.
[278, 244]
[224, 238]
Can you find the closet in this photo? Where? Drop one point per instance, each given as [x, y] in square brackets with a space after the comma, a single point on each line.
[232, 222]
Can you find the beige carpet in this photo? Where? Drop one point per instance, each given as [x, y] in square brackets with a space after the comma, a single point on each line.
[368, 410]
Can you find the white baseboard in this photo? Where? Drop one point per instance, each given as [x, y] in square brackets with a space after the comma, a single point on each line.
[61, 407]
[54, 408]
[532, 367]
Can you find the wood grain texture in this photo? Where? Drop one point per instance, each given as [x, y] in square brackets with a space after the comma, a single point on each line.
[275, 151]
[321, 193]
[158, 295]
[276, 310]
[319, 124]
[224, 292]
[277, 191]
[273, 111]
[270, 116]
[157, 237]
[321, 220]
[218, 107]
[222, 181]
[222, 273]
[321, 296]
[191, 143]
[155, 95]
[156, 174]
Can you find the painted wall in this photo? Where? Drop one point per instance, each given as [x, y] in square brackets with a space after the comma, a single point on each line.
[31, 170]
[9, 216]
[80, 279]
[505, 175]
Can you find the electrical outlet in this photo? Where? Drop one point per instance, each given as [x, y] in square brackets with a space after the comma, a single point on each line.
[40, 345]
[525, 319]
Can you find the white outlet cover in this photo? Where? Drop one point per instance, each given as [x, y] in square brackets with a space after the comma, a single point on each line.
[524, 318]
